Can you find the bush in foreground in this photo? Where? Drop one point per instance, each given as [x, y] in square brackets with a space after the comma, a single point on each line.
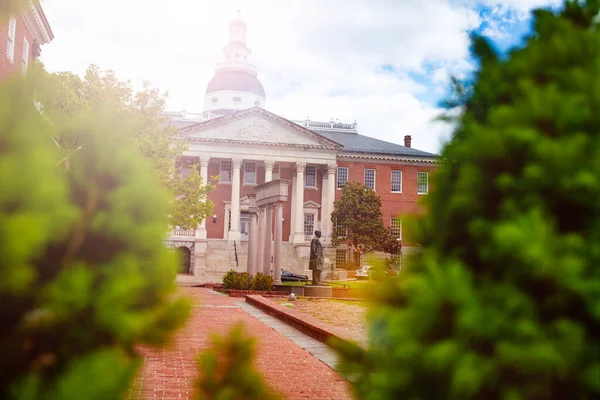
[84, 277]
[504, 303]
[227, 371]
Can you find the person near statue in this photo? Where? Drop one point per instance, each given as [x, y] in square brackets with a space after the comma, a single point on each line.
[316, 259]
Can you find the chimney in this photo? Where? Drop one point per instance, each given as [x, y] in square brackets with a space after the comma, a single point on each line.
[407, 140]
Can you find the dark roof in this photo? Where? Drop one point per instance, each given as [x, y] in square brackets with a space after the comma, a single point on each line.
[355, 143]
[237, 81]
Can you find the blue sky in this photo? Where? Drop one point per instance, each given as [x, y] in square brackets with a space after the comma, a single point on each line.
[506, 30]
[384, 63]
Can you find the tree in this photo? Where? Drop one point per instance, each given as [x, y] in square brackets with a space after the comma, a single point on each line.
[154, 138]
[504, 301]
[228, 371]
[357, 218]
[84, 277]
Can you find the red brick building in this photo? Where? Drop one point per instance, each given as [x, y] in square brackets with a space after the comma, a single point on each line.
[237, 140]
[21, 39]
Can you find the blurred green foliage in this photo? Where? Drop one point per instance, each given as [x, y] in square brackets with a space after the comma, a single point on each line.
[504, 302]
[65, 94]
[84, 275]
[227, 370]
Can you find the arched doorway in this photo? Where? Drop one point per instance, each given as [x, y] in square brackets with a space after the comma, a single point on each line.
[185, 258]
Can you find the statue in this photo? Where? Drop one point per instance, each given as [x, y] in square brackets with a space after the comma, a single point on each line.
[316, 260]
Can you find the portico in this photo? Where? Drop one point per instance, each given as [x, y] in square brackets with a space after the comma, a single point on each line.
[254, 147]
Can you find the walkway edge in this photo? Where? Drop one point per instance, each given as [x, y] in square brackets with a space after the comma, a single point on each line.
[307, 324]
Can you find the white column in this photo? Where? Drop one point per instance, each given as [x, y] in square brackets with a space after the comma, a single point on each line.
[324, 209]
[268, 243]
[201, 231]
[260, 243]
[234, 232]
[299, 209]
[252, 243]
[328, 226]
[269, 170]
[293, 211]
[277, 244]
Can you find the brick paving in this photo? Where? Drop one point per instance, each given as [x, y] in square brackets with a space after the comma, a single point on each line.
[290, 370]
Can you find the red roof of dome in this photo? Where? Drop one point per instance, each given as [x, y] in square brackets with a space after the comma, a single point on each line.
[236, 81]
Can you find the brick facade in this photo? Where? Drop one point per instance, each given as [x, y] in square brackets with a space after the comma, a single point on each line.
[8, 67]
[30, 25]
[393, 204]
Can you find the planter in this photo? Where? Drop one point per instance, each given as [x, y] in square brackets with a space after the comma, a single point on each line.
[264, 293]
[284, 289]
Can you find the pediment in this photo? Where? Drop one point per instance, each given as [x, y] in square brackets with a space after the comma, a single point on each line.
[311, 204]
[256, 126]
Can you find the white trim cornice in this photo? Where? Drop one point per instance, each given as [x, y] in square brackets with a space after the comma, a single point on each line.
[324, 142]
[388, 158]
[37, 23]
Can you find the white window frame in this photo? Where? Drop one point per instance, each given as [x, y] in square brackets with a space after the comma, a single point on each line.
[276, 172]
[426, 183]
[374, 178]
[25, 56]
[225, 178]
[315, 226]
[392, 181]
[310, 168]
[338, 262]
[249, 173]
[339, 186]
[396, 227]
[12, 35]
[345, 230]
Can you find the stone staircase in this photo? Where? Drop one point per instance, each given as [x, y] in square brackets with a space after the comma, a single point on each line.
[221, 257]
[290, 260]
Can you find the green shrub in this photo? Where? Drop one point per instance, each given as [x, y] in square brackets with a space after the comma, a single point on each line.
[227, 370]
[263, 282]
[244, 281]
[504, 301]
[84, 276]
[238, 280]
[230, 279]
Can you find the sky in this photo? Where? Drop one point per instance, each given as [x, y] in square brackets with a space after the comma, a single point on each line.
[383, 63]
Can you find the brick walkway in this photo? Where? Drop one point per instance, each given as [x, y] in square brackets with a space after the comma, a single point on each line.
[289, 369]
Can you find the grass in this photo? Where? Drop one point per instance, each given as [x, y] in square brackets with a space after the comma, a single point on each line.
[293, 283]
[351, 284]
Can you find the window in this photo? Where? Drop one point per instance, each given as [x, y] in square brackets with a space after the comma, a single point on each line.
[342, 231]
[311, 176]
[397, 181]
[396, 228]
[225, 175]
[12, 31]
[369, 258]
[309, 224]
[370, 178]
[422, 183]
[25, 56]
[250, 173]
[276, 174]
[237, 99]
[342, 176]
[340, 258]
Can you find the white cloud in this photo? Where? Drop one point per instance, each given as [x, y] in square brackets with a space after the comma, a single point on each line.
[316, 58]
